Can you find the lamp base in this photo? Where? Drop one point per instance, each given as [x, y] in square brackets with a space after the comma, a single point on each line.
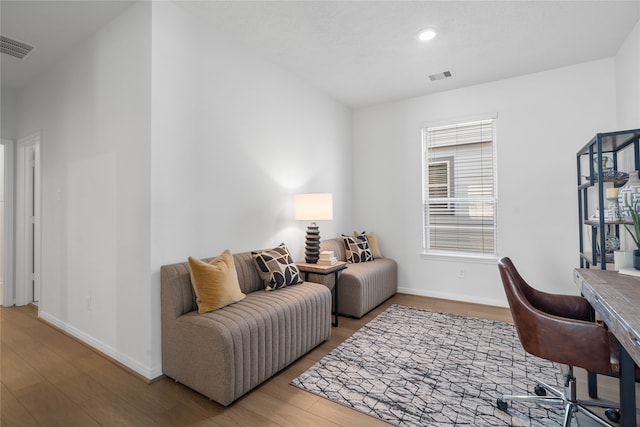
[312, 244]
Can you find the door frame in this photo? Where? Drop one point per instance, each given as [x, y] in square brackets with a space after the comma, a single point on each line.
[8, 283]
[28, 239]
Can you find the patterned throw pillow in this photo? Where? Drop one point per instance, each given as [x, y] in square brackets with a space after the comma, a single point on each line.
[276, 268]
[373, 243]
[357, 248]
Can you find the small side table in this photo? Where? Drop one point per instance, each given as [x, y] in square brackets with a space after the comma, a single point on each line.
[325, 270]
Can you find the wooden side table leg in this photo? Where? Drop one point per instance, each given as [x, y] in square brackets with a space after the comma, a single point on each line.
[335, 298]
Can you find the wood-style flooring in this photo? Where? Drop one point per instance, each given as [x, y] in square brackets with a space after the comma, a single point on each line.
[49, 379]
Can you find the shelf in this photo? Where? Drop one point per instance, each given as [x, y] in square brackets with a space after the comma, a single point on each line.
[616, 183]
[596, 223]
[610, 143]
[613, 141]
[587, 256]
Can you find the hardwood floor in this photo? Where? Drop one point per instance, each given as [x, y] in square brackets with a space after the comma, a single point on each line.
[49, 379]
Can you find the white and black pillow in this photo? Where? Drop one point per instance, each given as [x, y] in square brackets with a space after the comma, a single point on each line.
[276, 268]
[357, 248]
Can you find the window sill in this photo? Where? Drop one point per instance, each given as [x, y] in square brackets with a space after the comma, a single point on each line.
[479, 259]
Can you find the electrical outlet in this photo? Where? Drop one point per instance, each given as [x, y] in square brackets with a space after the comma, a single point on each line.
[461, 273]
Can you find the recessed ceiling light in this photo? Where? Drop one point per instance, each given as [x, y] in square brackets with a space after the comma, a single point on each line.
[426, 35]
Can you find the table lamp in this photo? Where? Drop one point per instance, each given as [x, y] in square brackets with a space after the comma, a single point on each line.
[313, 207]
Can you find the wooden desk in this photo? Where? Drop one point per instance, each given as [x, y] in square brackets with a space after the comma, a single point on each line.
[616, 299]
[324, 270]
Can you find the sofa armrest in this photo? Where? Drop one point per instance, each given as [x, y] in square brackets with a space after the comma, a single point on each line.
[196, 352]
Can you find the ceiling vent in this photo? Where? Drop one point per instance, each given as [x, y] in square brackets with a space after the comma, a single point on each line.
[441, 76]
[14, 47]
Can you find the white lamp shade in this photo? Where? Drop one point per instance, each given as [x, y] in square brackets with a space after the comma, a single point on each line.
[314, 206]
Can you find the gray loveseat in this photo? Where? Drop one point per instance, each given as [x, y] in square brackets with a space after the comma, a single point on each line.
[362, 286]
[225, 353]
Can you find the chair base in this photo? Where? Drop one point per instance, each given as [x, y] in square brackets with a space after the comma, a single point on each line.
[567, 399]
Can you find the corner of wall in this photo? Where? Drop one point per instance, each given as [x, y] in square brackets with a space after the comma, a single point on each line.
[627, 63]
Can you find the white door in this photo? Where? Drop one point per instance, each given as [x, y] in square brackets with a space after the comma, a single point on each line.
[28, 221]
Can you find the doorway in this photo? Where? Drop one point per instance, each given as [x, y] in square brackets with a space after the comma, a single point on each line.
[27, 289]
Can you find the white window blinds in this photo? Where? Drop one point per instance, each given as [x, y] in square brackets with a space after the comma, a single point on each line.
[459, 189]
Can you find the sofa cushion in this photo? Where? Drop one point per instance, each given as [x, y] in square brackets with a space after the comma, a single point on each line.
[276, 268]
[357, 248]
[215, 283]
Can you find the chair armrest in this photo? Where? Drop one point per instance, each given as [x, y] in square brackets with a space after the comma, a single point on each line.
[571, 342]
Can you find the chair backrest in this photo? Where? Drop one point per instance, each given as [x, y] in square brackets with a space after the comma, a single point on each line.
[522, 311]
[545, 333]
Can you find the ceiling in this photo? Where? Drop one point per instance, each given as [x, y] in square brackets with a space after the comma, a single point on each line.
[54, 27]
[360, 52]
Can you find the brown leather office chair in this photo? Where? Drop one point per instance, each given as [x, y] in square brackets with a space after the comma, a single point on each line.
[560, 328]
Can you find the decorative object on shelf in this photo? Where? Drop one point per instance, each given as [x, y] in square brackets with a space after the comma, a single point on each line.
[608, 172]
[607, 164]
[613, 210]
[622, 259]
[611, 175]
[313, 207]
[611, 244]
[635, 234]
[628, 195]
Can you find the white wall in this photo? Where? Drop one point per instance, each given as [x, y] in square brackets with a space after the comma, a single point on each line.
[628, 81]
[8, 114]
[93, 108]
[233, 139]
[543, 119]
[9, 134]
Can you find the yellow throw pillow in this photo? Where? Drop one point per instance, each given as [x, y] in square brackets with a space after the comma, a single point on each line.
[373, 243]
[215, 283]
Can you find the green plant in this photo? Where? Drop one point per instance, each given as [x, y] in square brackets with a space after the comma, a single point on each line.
[635, 217]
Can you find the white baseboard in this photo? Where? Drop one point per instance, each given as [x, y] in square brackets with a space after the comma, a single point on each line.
[144, 371]
[454, 297]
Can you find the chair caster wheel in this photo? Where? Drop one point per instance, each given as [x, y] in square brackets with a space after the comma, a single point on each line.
[613, 415]
[539, 390]
[502, 405]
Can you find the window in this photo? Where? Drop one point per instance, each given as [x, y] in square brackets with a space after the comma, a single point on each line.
[440, 182]
[459, 189]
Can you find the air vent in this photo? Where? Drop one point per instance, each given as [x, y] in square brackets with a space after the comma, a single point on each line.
[14, 47]
[441, 76]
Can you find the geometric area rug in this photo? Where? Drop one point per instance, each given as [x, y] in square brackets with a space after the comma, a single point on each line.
[415, 367]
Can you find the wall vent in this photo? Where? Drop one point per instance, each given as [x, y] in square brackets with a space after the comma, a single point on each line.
[441, 76]
[14, 47]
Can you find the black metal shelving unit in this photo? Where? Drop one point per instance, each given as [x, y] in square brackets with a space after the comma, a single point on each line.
[603, 143]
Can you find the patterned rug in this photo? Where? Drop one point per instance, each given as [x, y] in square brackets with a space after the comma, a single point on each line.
[414, 367]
